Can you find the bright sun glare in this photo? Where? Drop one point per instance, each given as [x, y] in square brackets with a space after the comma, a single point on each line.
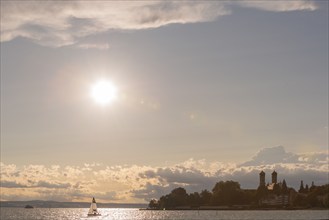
[104, 92]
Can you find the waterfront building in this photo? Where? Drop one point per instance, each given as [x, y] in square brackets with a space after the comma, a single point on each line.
[274, 193]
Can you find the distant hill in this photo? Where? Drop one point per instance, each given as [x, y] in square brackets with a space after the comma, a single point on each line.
[55, 204]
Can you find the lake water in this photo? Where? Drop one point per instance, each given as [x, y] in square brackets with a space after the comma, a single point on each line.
[132, 214]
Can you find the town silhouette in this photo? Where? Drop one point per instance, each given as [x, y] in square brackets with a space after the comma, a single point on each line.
[229, 195]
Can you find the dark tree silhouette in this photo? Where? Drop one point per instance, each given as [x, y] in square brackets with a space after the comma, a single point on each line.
[180, 196]
[177, 197]
[227, 193]
[194, 199]
[205, 197]
[154, 204]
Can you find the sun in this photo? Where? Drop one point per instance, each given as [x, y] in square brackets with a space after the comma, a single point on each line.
[103, 92]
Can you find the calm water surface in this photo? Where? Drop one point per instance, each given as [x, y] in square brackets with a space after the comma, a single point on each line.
[131, 214]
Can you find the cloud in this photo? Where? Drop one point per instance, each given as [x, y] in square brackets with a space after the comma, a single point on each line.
[197, 179]
[112, 195]
[280, 6]
[196, 175]
[278, 154]
[56, 24]
[133, 183]
[270, 156]
[11, 184]
[52, 185]
[76, 19]
[169, 178]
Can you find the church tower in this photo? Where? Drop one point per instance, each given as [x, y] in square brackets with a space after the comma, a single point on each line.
[262, 178]
[274, 177]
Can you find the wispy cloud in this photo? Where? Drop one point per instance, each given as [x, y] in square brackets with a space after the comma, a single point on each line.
[279, 6]
[276, 155]
[45, 184]
[54, 23]
[135, 183]
[58, 24]
[11, 184]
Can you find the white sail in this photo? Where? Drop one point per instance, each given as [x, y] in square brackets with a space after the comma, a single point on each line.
[93, 208]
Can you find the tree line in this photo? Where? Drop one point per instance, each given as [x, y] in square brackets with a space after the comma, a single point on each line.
[309, 197]
[223, 193]
[229, 193]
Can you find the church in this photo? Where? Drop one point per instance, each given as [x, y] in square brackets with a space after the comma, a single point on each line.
[274, 193]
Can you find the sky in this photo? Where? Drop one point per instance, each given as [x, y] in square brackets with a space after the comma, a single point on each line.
[206, 91]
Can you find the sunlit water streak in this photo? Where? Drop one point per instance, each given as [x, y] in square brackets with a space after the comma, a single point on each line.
[132, 214]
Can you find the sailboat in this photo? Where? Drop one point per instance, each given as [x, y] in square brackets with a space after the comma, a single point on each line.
[93, 209]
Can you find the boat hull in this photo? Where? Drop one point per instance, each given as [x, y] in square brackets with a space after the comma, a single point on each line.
[94, 214]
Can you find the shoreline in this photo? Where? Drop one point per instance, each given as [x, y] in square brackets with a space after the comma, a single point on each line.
[184, 209]
[235, 209]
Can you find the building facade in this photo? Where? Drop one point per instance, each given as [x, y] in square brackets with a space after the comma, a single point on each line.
[274, 193]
